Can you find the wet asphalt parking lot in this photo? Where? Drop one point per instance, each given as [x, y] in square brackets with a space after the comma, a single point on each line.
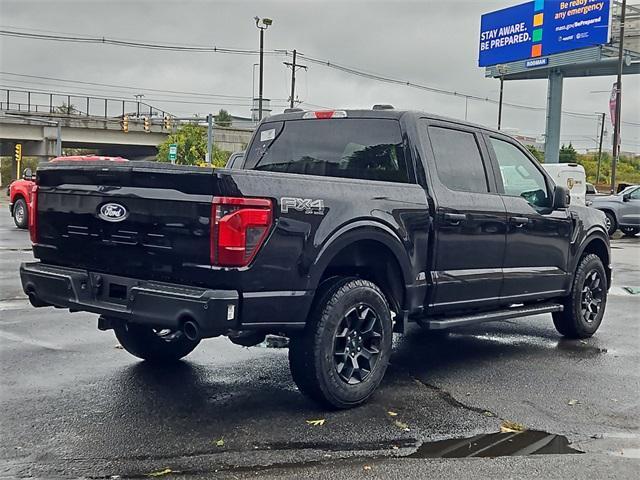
[75, 405]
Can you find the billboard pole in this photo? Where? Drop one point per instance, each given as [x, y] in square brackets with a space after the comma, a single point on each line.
[501, 70]
[554, 117]
[616, 126]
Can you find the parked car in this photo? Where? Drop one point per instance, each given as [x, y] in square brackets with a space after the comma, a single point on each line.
[342, 228]
[573, 176]
[591, 190]
[622, 210]
[19, 191]
[235, 160]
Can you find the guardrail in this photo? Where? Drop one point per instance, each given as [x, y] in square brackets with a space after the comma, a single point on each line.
[29, 101]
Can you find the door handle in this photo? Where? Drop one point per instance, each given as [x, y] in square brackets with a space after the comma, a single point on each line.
[519, 222]
[454, 218]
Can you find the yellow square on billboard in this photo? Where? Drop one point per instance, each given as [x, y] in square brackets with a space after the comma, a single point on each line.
[538, 18]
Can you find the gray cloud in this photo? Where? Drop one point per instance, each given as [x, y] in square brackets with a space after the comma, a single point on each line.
[428, 42]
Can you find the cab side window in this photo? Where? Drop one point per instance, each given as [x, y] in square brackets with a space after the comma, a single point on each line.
[520, 177]
[458, 160]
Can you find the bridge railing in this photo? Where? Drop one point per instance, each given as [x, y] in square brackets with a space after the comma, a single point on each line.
[30, 101]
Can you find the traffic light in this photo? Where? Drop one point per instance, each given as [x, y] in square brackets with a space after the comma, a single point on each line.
[147, 124]
[18, 158]
[125, 124]
[167, 122]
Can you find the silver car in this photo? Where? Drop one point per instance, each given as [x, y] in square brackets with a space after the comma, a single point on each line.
[622, 210]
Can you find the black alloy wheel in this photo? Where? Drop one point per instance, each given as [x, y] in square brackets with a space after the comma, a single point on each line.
[357, 344]
[592, 296]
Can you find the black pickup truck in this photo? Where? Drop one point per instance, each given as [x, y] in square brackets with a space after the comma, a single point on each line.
[341, 228]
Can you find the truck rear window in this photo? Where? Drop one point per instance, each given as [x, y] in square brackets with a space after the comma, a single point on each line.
[364, 148]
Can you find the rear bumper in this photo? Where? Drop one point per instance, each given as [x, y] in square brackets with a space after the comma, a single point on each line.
[156, 304]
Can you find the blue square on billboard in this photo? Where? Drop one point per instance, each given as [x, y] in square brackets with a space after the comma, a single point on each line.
[539, 5]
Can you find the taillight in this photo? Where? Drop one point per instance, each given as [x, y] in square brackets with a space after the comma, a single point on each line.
[239, 227]
[33, 215]
[325, 114]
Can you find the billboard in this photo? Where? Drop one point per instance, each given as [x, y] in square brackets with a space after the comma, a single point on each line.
[542, 27]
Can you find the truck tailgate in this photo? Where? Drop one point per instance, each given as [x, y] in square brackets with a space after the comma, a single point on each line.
[138, 219]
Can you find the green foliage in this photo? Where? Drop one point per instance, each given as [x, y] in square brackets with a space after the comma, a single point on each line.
[628, 168]
[8, 168]
[66, 109]
[192, 147]
[539, 154]
[568, 154]
[223, 119]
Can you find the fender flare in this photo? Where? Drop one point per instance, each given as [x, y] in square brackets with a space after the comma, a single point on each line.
[594, 233]
[352, 233]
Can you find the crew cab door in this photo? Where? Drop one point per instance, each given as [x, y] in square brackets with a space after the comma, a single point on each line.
[470, 219]
[536, 259]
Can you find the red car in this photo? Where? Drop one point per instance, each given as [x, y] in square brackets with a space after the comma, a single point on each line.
[20, 190]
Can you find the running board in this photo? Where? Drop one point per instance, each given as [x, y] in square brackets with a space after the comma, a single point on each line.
[462, 321]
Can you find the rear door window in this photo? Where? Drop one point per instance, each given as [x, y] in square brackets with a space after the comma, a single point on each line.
[363, 148]
[458, 160]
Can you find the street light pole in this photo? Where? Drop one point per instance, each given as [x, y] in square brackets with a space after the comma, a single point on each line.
[616, 126]
[262, 25]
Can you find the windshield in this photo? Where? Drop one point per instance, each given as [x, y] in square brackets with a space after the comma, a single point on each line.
[364, 148]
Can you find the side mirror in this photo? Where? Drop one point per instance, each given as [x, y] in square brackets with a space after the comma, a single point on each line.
[561, 197]
[626, 197]
[27, 174]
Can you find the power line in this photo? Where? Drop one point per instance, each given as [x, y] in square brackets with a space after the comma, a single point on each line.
[239, 51]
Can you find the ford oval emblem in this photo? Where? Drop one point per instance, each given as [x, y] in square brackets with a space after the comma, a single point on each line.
[113, 212]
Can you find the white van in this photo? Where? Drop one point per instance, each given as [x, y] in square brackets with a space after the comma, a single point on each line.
[571, 175]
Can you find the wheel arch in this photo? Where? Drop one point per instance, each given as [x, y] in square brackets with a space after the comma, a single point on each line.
[370, 251]
[597, 244]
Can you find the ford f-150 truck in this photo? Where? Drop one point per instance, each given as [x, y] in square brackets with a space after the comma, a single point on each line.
[19, 191]
[341, 228]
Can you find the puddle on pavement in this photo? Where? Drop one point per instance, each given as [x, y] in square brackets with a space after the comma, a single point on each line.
[580, 347]
[528, 442]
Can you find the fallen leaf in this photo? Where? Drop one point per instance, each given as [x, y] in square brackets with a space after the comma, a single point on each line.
[395, 447]
[316, 423]
[159, 473]
[392, 414]
[573, 402]
[511, 427]
[487, 413]
[220, 443]
[401, 425]
[366, 467]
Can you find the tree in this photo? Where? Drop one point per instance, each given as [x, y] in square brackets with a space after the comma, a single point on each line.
[192, 147]
[539, 154]
[66, 109]
[568, 154]
[223, 119]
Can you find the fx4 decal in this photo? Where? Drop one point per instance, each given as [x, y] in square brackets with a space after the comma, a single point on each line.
[306, 205]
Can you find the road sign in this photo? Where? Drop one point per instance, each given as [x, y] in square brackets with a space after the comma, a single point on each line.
[542, 27]
[173, 152]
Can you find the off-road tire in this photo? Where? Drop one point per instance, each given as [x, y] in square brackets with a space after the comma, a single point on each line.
[611, 222]
[20, 213]
[572, 322]
[312, 353]
[154, 345]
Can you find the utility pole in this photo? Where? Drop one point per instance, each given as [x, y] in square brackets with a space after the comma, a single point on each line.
[293, 66]
[501, 70]
[209, 137]
[602, 120]
[616, 127]
[262, 25]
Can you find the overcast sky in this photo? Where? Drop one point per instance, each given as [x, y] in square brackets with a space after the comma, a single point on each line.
[427, 42]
